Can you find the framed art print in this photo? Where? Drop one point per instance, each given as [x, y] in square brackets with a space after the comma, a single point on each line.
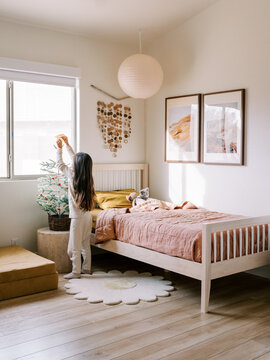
[223, 127]
[182, 128]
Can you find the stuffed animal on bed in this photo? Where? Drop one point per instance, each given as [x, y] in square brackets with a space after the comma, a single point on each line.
[138, 199]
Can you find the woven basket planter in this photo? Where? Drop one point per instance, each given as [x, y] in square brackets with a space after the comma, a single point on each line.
[59, 222]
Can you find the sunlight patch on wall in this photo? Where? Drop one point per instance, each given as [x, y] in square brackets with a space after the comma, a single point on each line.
[195, 185]
[176, 182]
[186, 183]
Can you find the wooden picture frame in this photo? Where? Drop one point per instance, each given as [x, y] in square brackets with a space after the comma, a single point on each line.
[223, 127]
[182, 128]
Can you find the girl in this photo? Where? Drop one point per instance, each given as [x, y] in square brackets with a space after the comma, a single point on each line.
[81, 200]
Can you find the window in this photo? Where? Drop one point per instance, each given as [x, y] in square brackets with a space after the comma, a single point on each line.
[40, 112]
[32, 113]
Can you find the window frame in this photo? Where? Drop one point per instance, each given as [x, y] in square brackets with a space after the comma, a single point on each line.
[10, 156]
[7, 133]
[42, 73]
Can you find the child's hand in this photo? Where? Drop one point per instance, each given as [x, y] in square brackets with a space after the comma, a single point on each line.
[59, 143]
[65, 139]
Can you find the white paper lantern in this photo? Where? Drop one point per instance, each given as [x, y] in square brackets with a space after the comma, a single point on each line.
[140, 76]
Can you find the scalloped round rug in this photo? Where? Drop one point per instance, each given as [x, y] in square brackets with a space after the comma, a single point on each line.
[115, 287]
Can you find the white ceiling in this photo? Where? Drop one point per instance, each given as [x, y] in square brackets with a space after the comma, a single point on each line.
[115, 20]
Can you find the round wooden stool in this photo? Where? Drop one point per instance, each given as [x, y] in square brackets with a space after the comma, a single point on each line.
[53, 246]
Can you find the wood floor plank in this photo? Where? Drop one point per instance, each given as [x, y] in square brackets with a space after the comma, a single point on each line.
[120, 326]
[107, 351]
[144, 337]
[266, 356]
[57, 310]
[222, 342]
[160, 342]
[248, 351]
[263, 338]
[79, 317]
[70, 343]
[53, 325]
[162, 348]
[23, 318]
[61, 312]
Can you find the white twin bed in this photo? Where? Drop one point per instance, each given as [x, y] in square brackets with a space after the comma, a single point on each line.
[214, 264]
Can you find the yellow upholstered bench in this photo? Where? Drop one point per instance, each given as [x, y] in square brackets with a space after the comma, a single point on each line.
[23, 272]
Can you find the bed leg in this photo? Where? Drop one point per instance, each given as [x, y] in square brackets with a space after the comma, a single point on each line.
[206, 268]
[205, 295]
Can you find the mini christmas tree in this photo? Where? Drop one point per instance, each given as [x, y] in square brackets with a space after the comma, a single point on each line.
[53, 190]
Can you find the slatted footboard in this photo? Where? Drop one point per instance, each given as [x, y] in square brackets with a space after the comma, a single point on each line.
[233, 246]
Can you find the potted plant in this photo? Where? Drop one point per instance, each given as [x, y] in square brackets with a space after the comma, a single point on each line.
[53, 197]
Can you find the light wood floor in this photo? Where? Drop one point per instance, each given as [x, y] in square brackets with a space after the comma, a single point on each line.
[53, 325]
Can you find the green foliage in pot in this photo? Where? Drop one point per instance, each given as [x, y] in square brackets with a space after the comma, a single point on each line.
[53, 190]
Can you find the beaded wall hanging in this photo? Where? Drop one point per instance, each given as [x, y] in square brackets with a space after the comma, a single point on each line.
[114, 123]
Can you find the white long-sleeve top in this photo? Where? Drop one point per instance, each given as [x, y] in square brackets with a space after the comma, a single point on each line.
[74, 211]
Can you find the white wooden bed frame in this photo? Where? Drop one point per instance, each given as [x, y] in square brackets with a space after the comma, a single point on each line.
[137, 177]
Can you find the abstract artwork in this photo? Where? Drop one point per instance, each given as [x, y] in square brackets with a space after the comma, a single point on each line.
[223, 127]
[114, 122]
[182, 128]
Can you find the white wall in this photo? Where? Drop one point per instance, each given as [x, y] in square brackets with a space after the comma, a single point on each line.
[20, 216]
[225, 47]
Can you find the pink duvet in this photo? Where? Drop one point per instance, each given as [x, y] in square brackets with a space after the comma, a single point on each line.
[174, 232]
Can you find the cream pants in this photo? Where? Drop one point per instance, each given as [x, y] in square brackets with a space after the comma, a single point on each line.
[79, 243]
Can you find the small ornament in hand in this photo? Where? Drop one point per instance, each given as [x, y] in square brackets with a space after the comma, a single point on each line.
[63, 137]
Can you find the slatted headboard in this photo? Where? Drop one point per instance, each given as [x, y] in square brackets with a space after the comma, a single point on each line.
[120, 176]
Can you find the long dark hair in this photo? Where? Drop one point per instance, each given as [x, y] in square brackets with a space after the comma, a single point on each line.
[83, 182]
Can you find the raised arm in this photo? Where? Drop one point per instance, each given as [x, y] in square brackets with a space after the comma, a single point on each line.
[59, 159]
[70, 151]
